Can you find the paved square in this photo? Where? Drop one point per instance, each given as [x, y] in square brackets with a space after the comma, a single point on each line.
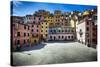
[51, 53]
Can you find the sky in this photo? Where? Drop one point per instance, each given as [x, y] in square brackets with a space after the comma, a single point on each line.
[22, 8]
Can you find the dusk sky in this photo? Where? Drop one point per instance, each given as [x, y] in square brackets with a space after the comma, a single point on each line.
[22, 8]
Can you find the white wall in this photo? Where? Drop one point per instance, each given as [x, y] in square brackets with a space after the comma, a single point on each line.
[81, 26]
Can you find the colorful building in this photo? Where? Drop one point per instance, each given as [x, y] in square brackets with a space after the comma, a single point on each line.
[35, 29]
[59, 27]
[87, 29]
[44, 30]
[45, 26]
[20, 32]
[43, 13]
[61, 33]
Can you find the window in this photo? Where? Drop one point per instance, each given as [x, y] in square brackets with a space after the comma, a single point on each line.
[32, 25]
[50, 30]
[39, 18]
[18, 41]
[68, 30]
[24, 34]
[87, 28]
[62, 36]
[24, 27]
[72, 37]
[92, 23]
[18, 33]
[62, 30]
[46, 27]
[46, 35]
[72, 30]
[93, 40]
[37, 30]
[34, 18]
[65, 30]
[54, 31]
[93, 28]
[59, 30]
[32, 30]
[28, 34]
[95, 17]
[68, 36]
[54, 37]
[24, 41]
[50, 37]
[93, 34]
[35, 41]
[88, 40]
[33, 21]
[87, 23]
[46, 30]
[41, 30]
[42, 26]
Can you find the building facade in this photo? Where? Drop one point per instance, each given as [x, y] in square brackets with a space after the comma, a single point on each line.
[35, 29]
[60, 34]
[45, 26]
[44, 31]
[87, 29]
[20, 33]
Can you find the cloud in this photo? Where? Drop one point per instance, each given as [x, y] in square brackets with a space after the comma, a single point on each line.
[17, 3]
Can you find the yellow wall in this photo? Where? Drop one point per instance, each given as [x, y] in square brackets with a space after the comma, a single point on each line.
[73, 23]
[32, 39]
[50, 20]
[45, 27]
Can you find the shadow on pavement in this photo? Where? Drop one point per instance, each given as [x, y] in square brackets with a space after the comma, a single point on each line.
[35, 47]
[60, 41]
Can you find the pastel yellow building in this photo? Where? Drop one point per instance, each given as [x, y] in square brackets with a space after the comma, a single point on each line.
[34, 39]
[44, 30]
[86, 13]
[73, 23]
[50, 20]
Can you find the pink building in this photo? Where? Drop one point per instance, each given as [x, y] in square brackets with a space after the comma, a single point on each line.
[20, 33]
[35, 28]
